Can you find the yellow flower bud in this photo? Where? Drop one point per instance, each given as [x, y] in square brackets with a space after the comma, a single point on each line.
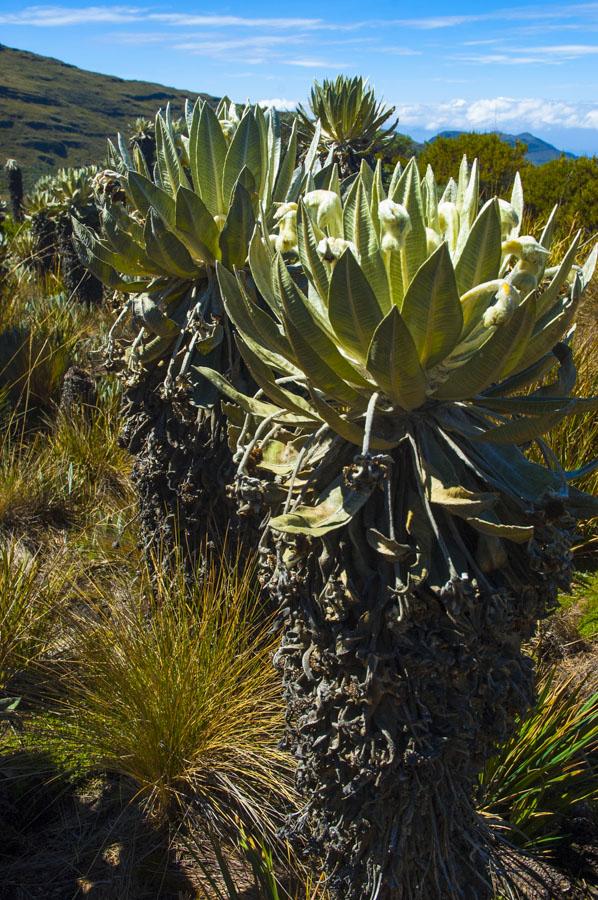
[286, 216]
[503, 309]
[433, 241]
[448, 219]
[532, 259]
[332, 248]
[395, 225]
[326, 205]
[508, 218]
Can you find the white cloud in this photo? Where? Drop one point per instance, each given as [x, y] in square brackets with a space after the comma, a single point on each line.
[218, 47]
[498, 113]
[279, 103]
[56, 16]
[315, 63]
[503, 59]
[193, 21]
[401, 51]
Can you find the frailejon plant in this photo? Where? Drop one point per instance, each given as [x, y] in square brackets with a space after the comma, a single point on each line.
[50, 206]
[162, 235]
[348, 120]
[412, 546]
[14, 179]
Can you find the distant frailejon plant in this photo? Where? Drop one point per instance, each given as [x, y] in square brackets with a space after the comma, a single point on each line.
[161, 235]
[14, 178]
[348, 121]
[405, 351]
[51, 205]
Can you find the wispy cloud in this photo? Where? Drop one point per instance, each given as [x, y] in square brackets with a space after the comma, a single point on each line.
[499, 112]
[315, 63]
[513, 13]
[194, 21]
[53, 15]
[56, 16]
[553, 54]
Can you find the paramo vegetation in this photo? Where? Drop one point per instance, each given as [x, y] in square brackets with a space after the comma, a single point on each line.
[298, 460]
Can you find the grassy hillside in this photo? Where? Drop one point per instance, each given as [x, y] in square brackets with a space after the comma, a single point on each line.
[53, 114]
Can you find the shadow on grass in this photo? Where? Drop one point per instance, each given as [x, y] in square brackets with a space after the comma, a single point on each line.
[63, 840]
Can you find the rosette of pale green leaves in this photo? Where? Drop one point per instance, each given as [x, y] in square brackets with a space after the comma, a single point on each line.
[415, 316]
[164, 231]
[68, 191]
[346, 114]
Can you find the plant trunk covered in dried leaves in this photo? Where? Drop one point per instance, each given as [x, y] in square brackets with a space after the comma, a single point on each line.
[14, 178]
[78, 282]
[398, 694]
[181, 471]
[43, 233]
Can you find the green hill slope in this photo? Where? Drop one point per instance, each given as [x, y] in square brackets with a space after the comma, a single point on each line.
[53, 114]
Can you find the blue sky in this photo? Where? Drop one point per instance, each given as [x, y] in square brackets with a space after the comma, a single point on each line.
[524, 67]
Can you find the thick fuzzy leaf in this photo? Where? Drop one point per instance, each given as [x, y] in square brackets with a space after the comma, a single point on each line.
[167, 249]
[589, 267]
[484, 367]
[148, 196]
[415, 249]
[249, 404]
[287, 167]
[388, 547]
[207, 152]
[549, 228]
[350, 211]
[251, 321]
[459, 501]
[261, 262]
[518, 350]
[310, 333]
[103, 270]
[352, 306]
[315, 268]
[238, 228]
[85, 239]
[521, 431]
[245, 150]
[393, 361]
[317, 369]
[334, 508]
[265, 378]
[550, 295]
[505, 467]
[549, 331]
[519, 534]
[196, 226]
[479, 260]
[536, 406]
[172, 173]
[517, 203]
[150, 313]
[432, 309]
[368, 247]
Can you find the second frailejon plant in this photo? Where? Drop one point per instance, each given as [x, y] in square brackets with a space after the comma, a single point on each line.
[408, 350]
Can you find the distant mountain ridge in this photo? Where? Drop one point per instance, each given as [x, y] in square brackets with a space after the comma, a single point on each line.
[53, 114]
[538, 151]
